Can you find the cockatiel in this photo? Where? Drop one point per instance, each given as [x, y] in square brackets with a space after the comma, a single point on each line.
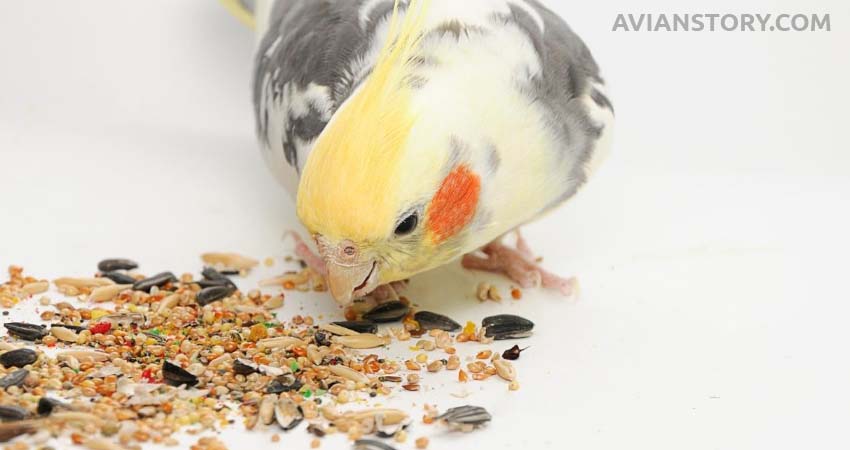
[415, 132]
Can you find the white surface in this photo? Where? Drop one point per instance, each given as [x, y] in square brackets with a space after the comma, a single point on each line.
[711, 248]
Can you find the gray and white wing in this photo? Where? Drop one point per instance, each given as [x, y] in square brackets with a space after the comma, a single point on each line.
[311, 56]
[572, 90]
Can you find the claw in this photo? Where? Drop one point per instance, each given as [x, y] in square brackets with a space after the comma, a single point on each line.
[519, 265]
[302, 250]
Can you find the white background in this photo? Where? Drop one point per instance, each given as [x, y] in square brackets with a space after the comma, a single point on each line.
[711, 248]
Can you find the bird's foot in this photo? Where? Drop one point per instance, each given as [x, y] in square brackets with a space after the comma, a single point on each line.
[303, 251]
[388, 292]
[518, 264]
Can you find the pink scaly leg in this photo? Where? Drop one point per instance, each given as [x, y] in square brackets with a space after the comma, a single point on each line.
[302, 250]
[517, 264]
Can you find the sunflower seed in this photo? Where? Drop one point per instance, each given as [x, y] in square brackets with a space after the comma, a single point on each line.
[213, 294]
[323, 338]
[284, 383]
[371, 444]
[109, 265]
[466, 415]
[107, 293]
[214, 283]
[432, 321]
[506, 326]
[119, 277]
[175, 375]
[287, 414]
[157, 280]
[363, 340]
[18, 358]
[211, 274]
[26, 331]
[387, 312]
[243, 366]
[15, 378]
[9, 413]
[360, 326]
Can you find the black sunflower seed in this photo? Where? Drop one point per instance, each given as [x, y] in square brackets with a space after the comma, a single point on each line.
[119, 277]
[157, 280]
[26, 331]
[244, 367]
[461, 415]
[9, 413]
[210, 273]
[18, 358]
[432, 321]
[46, 405]
[360, 326]
[371, 444]
[175, 375]
[15, 378]
[288, 414]
[387, 312]
[109, 265]
[506, 326]
[322, 338]
[284, 383]
[213, 294]
[205, 283]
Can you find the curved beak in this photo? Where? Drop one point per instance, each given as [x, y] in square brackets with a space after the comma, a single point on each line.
[349, 282]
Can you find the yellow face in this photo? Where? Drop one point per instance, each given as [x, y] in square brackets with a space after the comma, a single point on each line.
[348, 195]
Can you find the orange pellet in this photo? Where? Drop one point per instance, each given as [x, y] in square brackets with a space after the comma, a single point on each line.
[516, 294]
[427, 419]
[77, 438]
[288, 285]
[422, 443]
[462, 376]
[484, 354]
[350, 314]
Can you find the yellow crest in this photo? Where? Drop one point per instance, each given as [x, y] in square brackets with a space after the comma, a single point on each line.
[347, 186]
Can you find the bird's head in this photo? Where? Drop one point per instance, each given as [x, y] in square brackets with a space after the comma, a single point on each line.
[383, 193]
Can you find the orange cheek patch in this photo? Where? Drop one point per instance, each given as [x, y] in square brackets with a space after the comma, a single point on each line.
[454, 204]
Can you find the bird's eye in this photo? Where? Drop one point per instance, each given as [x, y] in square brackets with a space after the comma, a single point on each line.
[407, 225]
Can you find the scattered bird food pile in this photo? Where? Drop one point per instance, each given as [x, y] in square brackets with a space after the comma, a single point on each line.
[124, 359]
